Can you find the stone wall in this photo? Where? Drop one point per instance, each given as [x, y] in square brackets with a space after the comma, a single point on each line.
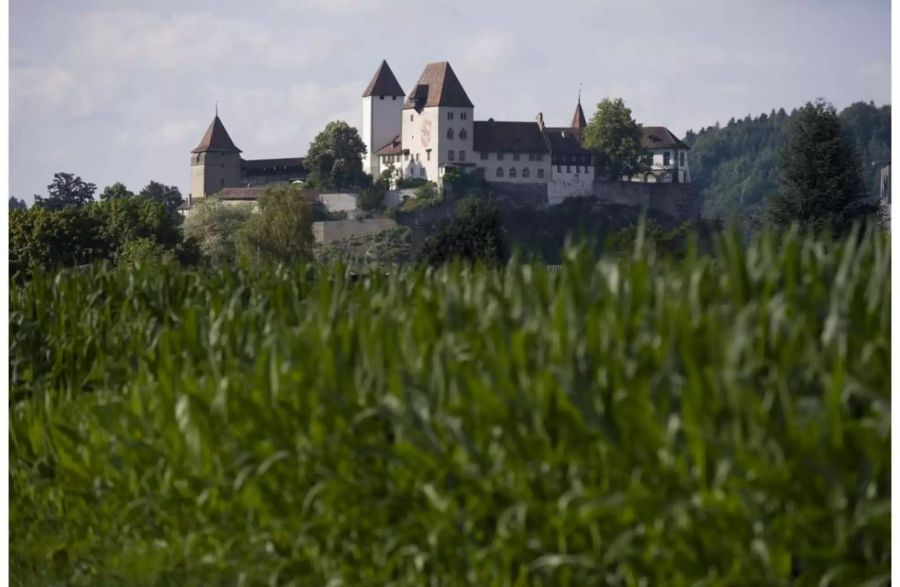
[335, 230]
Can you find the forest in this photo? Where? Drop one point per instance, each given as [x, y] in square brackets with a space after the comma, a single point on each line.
[736, 166]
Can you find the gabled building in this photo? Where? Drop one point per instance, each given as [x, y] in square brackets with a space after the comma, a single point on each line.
[217, 165]
[437, 131]
[668, 157]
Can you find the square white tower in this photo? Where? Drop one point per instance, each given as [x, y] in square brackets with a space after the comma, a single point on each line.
[382, 106]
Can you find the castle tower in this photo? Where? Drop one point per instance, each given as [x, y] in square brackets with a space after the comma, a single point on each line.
[382, 105]
[215, 163]
[437, 124]
[578, 121]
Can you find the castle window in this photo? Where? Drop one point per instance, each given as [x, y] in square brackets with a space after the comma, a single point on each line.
[568, 169]
[499, 172]
[539, 157]
[540, 174]
[449, 116]
[512, 171]
[578, 169]
[515, 156]
[450, 155]
[558, 168]
[526, 172]
[462, 155]
[682, 158]
[417, 156]
[381, 97]
[531, 156]
[462, 134]
[463, 115]
[499, 156]
[410, 117]
[449, 133]
[667, 159]
[484, 155]
[428, 155]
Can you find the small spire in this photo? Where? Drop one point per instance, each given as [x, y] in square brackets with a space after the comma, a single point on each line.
[217, 108]
[579, 92]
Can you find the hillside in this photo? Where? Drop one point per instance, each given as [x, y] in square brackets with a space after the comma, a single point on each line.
[736, 166]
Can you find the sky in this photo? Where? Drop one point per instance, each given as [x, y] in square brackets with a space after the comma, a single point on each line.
[122, 90]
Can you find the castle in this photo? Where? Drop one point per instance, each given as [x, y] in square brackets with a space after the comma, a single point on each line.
[430, 130]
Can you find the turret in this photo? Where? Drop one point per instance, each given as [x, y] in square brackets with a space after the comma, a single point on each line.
[382, 108]
[215, 162]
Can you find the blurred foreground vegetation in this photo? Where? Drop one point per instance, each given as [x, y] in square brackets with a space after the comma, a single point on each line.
[636, 420]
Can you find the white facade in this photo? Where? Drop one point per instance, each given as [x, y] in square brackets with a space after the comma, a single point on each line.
[670, 165]
[380, 124]
[570, 181]
[434, 137]
[515, 167]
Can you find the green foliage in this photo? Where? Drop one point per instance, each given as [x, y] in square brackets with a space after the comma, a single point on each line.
[615, 139]
[334, 158]
[65, 191]
[462, 183]
[280, 230]
[821, 187]
[145, 251]
[474, 234]
[649, 235]
[116, 191]
[410, 182]
[45, 239]
[371, 197]
[427, 195]
[385, 247]
[214, 226]
[736, 166]
[705, 421]
[17, 204]
[168, 195]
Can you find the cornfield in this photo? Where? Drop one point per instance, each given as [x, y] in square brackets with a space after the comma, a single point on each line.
[713, 420]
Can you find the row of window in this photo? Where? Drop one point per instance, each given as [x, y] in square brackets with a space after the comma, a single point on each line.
[526, 173]
[667, 158]
[515, 156]
[578, 168]
[462, 115]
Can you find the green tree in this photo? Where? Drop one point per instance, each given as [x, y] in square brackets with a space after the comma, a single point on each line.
[123, 220]
[214, 226]
[334, 158]
[474, 234]
[116, 191]
[17, 204]
[146, 251]
[614, 137]
[168, 195]
[66, 190]
[40, 238]
[821, 185]
[281, 230]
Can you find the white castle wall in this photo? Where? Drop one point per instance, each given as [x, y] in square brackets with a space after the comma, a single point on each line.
[569, 182]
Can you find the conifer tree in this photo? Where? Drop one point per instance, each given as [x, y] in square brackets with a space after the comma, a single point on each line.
[821, 185]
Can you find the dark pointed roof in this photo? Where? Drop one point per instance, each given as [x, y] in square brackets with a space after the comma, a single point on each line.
[438, 86]
[510, 137]
[659, 137]
[384, 83]
[578, 120]
[216, 139]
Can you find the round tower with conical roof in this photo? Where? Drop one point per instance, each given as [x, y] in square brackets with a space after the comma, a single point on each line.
[215, 162]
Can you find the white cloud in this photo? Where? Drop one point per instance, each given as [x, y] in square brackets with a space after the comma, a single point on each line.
[489, 51]
[191, 41]
[52, 91]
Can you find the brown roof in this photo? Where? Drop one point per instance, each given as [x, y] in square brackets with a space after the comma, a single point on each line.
[438, 86]
[384, 83]
[564, 141]
[659, 137]
[508, 137]
[239, 193]
[216, 139]
[578, 120]
[394, 147]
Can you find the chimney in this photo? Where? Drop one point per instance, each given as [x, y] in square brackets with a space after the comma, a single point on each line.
[540, 120]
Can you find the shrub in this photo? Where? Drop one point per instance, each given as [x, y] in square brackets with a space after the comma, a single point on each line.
[214, 226]
[474, 233]
[281, 231]
[426, 196]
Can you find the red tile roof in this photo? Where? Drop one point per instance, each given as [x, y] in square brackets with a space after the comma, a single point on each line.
[438, 86]
[216, 139]
[384, 83]
[659, 137]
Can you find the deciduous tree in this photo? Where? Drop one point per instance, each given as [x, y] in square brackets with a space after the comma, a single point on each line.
[281, 230]
[66, 190]
[614, 137]
[334, 158]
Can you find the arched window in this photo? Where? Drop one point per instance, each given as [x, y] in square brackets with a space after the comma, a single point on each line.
[499, 172]
[526, 172]
[462, 134]
[449, 133]
[512, 171]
